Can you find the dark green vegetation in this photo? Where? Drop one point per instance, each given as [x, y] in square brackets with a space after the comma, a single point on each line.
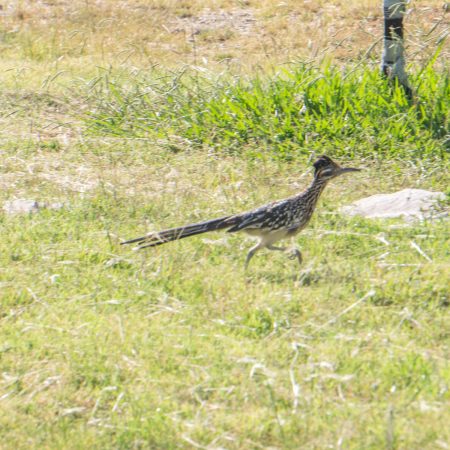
[351, 111]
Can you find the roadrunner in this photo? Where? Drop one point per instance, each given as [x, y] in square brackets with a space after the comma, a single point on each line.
[270, 223]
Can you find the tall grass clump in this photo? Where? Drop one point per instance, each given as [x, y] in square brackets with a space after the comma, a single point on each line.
[304, 108]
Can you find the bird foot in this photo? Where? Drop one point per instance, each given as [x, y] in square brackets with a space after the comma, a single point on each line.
[295, 253]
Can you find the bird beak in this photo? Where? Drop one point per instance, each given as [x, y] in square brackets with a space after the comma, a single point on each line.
[348, 169]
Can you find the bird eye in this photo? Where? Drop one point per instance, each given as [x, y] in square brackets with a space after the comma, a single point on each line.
[327, 172]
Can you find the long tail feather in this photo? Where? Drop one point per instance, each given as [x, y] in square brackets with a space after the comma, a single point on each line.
[173, 234]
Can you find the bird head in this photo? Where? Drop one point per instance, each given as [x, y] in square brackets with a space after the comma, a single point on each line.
[326, 168]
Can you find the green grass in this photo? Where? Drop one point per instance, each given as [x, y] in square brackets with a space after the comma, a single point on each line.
[178, 347]
[351, 111]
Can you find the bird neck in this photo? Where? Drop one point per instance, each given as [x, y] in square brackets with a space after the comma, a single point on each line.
[317, 186]
[315, 189]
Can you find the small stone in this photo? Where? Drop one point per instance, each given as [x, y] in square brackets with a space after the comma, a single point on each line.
[55, 205]
[75, 412]
[25, 206]
[21, 206]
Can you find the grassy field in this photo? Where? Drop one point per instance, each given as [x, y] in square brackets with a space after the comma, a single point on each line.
[141, 115]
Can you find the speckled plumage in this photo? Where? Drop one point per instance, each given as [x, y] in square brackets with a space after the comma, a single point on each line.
[270, 223]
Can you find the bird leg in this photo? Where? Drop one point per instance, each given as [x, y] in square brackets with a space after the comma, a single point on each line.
[251, 253]
[295, 252]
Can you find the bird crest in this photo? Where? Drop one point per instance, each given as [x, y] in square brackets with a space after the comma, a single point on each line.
[323, 161]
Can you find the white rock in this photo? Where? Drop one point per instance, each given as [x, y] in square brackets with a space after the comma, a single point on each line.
[408, 203]
[25, 206]
[20, 206]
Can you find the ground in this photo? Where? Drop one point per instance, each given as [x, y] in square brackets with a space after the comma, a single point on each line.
[179, 347]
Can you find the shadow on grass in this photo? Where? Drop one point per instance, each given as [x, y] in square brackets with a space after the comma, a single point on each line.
[302, 277]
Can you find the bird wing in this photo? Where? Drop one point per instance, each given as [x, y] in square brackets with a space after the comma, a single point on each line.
[268, 216]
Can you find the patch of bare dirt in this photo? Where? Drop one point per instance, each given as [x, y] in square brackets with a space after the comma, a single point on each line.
[241, 21]
[37, 115]
[68, 176]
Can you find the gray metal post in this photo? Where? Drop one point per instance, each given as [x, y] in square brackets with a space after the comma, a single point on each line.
[393, 60]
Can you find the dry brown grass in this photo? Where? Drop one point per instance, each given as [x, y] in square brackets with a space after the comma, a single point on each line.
[212, 33]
